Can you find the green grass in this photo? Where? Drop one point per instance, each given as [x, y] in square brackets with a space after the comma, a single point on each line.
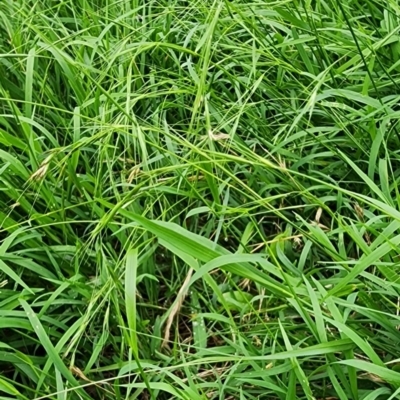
[199, 199]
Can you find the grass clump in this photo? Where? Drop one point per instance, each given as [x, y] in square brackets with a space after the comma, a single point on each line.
[199, 200]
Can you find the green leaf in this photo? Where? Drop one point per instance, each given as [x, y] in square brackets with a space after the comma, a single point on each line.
[365, 262]
[131, 266]
[49, 348]
[384, 373]
[9, 272]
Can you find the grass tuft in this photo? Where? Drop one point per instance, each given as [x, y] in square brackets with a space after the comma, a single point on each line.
[199, 199]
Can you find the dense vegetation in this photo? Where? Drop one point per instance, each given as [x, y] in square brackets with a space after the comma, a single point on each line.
[199, 199]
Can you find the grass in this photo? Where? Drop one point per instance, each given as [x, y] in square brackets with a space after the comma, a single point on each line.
[199, 199]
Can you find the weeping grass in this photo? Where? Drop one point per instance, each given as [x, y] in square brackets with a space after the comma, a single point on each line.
[199, 199]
